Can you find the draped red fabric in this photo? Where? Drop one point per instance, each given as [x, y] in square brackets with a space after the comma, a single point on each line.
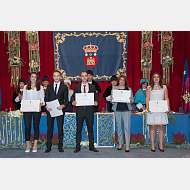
[180, 50]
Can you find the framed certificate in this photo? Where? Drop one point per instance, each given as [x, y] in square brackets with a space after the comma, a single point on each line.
[158, 106]
[84, 99]
[30, 105]
[121, 96]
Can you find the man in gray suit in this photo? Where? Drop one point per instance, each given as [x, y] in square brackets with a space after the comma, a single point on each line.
[85, 112]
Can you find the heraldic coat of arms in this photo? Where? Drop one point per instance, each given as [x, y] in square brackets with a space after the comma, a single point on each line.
[90, 55]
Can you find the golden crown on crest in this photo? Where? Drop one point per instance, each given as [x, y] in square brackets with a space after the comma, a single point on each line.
[90, 48]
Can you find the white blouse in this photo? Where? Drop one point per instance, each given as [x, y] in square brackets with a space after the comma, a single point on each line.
[33, 94]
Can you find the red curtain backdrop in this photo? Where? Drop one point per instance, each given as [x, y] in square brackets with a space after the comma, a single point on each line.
[180, 53]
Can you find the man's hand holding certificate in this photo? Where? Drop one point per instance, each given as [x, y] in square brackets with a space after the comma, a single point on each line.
[54, 108]
[158, 106]
[121, 96]
[84, 99]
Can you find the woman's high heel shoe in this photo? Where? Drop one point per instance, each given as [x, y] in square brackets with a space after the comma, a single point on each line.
[27, 150]
[162, 150]
[34, 149]
[120, 148]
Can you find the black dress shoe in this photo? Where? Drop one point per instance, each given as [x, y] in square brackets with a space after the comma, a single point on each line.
[60, 149]
[162, 150]
[76, 150]
[126, 150]
[48, 150]
[120, 148]
[93, 149]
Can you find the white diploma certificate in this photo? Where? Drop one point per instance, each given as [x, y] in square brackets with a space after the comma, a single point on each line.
[53, 105]
[84, 99]
[158, 106]
[30, 105]
[139, 106]
[121, 96]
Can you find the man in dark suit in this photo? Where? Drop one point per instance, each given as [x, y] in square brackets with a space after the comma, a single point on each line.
[56, 90]
[85, 112]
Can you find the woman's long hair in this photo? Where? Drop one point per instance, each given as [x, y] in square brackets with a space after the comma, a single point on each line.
[126, 82]
[152, 81]
[18, 89]
[37, 84]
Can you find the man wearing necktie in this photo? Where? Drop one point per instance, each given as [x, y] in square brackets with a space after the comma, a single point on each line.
[56, 90]
[85, 112]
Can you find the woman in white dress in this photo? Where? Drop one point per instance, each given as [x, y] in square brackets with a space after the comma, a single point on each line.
[157, 91]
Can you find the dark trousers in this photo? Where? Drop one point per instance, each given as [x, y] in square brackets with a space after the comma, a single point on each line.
[43, 108]
[27, 122]
[82, 114]
[50, 125]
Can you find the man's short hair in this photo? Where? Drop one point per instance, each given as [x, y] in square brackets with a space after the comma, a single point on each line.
[57, 71]
[83, 72]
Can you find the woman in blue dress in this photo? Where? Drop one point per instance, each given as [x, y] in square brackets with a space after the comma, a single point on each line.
[140, 96]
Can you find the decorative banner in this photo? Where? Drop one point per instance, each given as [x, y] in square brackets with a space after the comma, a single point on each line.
[34, 55]
[105, 53]
[185, 89]
[105, 129]
[15, 61]
[146, 54]
[166, 55]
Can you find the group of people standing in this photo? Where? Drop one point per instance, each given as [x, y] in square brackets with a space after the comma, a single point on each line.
[66, 97]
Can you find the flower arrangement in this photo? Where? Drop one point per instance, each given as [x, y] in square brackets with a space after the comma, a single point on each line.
[16, 113]
[34, 58]
[134, 139]
[146, 62]
[15, 62]
[146, 53]
[137, 138]
[14, 42]
[34, 47]
[168, 40]
[179, 138]
[167, 60]
[148, 45]
[166, 54]
[55, 139]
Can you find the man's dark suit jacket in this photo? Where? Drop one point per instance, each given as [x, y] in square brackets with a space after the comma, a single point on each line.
[62, 94]
[92, 89]
[97, 86]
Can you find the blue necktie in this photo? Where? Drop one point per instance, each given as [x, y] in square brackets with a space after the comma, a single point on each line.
[55, 89]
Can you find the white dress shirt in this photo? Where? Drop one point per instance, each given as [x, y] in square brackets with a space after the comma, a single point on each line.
[33, 94]
[86, 87]
[58, 84]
